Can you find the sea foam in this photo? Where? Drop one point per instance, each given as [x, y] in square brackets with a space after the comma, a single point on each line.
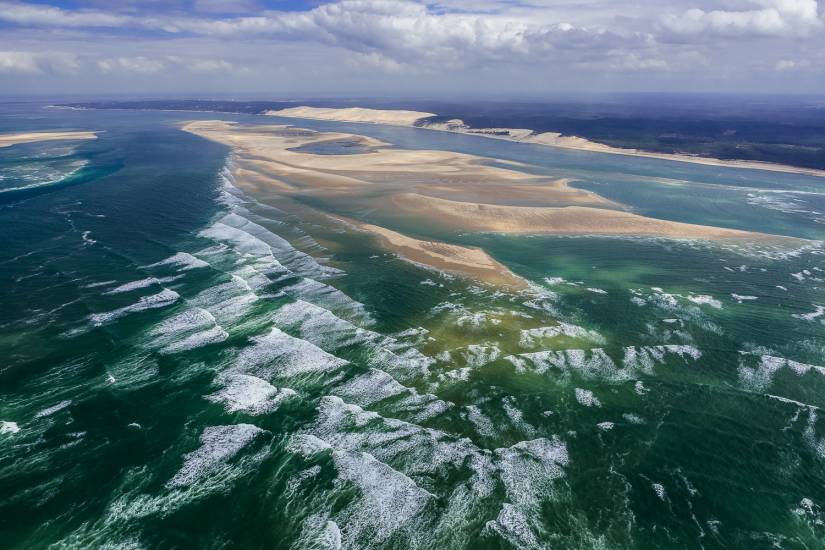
[218, 445]
[249, 394]
[163, 298]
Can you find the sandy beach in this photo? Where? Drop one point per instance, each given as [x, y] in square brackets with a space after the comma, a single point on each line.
[442, 190]
[521, 135]
[7, 140]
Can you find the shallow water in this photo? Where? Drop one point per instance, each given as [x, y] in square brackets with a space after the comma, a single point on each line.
[187, 366]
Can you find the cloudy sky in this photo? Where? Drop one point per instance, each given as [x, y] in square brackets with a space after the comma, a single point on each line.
[409, 47]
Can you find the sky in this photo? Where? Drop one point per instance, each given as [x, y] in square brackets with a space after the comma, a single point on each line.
[410, 48]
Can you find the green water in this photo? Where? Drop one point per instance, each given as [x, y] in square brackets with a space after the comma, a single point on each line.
[187, 367]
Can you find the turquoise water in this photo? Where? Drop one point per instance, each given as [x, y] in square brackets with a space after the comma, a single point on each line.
[186, 366]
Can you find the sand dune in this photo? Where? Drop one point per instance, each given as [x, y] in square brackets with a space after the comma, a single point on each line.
[354, 114]
[7, 140]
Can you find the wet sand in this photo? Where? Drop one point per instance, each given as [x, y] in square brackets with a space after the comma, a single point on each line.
[567, 220]
[463, 261]
[7, 140]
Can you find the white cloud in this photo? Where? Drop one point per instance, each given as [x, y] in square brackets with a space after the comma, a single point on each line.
[767, 17]
[396, 30]
[18, 62]
[530, 45]
[210, 66]
[375, 60]
[633, 62]
[137, 64]
[39, 15]
[37, 62]
[789, 65]
[150, 65]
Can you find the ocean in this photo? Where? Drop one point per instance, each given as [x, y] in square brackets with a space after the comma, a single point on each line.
[188, 366]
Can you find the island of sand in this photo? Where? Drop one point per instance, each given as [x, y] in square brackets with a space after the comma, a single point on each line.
[404, 196]
[521, 135]
[7, 140]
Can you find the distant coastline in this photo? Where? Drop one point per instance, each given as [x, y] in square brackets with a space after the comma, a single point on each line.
[519, 135]
[792, 147]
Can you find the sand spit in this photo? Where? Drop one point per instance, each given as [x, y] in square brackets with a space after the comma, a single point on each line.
[7, 140]
[523, 135]
[569, 220]
[354, 114]
[554, 139]
[458, 260]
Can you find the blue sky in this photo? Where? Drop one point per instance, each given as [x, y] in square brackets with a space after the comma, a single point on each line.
[409, 47]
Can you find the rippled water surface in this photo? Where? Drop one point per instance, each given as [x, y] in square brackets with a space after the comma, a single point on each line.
[187, 366]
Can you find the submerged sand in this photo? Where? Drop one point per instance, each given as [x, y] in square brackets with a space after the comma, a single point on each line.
[433, 190]
[568, 220]
[7, 140]
[464, 261]
[522, 135]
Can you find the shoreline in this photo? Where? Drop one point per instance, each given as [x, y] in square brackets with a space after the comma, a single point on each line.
[523, 135]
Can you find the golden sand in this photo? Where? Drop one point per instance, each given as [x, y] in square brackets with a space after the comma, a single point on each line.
[271, 150]
[354, 114]
[7, 140]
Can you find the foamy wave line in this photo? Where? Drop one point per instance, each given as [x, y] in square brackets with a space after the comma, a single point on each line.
[596, 364]
[163, 298]
[398, 468]
[183, 260]
[757, 372]
[142, 283]
[61, 179]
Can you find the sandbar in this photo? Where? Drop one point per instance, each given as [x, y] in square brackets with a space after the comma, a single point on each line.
[567, 220]
[463, 261]
[7, 140]
[273, 151]
[381, 188]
